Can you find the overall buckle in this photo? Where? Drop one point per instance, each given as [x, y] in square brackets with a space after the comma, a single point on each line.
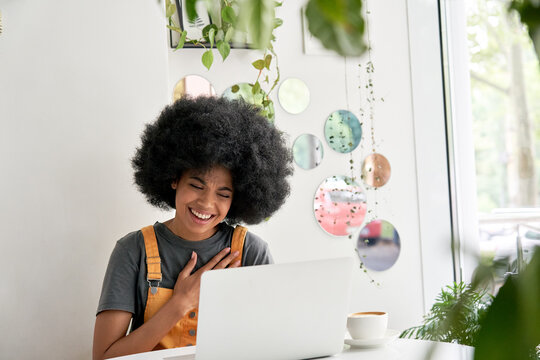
[154, 284]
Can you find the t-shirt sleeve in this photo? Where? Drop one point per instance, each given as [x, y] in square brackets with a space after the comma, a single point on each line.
[120, 282]
[256, 251]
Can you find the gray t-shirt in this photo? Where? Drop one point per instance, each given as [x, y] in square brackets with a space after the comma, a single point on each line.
[125, 286]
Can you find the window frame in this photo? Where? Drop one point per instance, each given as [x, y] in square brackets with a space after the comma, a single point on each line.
[443, 143]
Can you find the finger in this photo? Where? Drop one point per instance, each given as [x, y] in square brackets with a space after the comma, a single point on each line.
[186, 271]
[228, 260]
[216, 259]
[235, 264]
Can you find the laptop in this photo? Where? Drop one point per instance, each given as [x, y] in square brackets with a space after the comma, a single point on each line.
[280, 311]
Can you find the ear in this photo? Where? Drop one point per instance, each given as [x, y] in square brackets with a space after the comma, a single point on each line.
[174, 184]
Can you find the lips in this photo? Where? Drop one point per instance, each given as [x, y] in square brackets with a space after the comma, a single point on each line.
[200, 217]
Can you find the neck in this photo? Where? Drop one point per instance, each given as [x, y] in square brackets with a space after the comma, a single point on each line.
[179, 231]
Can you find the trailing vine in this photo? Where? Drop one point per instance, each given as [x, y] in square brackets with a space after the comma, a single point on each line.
[371, 100]
[369, 69]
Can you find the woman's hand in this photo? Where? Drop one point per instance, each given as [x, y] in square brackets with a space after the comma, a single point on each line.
[188, 285]
[111, 325]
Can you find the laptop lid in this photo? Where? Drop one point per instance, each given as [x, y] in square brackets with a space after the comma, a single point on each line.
[280, 311]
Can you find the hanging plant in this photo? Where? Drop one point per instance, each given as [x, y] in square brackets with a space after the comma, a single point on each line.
[339, 25]
[233, 23]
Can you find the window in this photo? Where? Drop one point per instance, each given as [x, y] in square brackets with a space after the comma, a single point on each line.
[495, 64]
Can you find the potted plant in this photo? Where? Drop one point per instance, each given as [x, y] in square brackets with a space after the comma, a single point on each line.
[454, 317]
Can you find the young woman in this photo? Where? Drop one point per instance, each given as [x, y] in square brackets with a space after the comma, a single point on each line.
[217, 163]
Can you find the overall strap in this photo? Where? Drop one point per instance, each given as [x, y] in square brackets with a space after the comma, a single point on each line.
[153, 261]
[237, 243]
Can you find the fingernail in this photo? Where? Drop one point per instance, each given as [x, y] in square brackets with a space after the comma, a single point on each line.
[192, 254]
[228, 249]
[236, 253]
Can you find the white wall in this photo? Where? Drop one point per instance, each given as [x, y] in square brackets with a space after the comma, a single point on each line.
[77, 82]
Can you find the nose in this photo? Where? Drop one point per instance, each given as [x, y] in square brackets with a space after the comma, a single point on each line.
[206, 199]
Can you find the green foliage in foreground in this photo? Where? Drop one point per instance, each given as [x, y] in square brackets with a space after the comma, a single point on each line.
[511, 328]
[529, 13]
[339, 25]
[454, 317]
[504, 327]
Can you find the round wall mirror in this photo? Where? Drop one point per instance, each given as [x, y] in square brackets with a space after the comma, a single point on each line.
[293, 95]
[243, 91]
[378, 245]
[307, 151]
[342, 131]
[376, 170]
[193, 85]
[340, 205]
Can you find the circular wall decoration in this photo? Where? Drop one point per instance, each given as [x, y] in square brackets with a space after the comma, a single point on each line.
[376, 170]
[342, 131]
[339, 205]
[293, 95]
[194, 86]
[378, 245]
[243, 91]
[307, 151]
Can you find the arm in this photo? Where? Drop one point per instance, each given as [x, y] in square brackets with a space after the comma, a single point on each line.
[110, 338]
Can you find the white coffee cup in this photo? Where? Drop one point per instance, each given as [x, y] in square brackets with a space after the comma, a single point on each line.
[367, 325]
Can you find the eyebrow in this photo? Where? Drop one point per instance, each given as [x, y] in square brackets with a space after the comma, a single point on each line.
[223, 188]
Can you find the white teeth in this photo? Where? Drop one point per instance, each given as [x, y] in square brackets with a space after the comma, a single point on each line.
[199, 215]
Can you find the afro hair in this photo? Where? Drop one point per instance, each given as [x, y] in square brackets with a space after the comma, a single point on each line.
[207, 131]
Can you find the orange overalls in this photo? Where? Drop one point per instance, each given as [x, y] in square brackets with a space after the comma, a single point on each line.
[184, 333]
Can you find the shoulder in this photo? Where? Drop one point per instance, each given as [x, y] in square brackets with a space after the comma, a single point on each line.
[130, 247]
[122, 275]
[254, 241]
[256, 250]
[131, 241]
[251, 240]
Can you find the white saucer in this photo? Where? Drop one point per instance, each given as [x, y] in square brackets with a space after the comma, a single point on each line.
[367, 343]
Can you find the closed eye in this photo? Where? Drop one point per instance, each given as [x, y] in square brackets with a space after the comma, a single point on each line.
[224, 196]
[196, 186]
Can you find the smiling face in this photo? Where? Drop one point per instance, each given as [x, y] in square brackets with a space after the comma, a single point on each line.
[203, 199]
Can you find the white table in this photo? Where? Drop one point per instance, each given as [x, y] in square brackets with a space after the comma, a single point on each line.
[402, 349]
